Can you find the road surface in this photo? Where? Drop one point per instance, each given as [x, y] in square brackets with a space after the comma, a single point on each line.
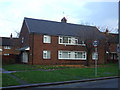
[109, 83]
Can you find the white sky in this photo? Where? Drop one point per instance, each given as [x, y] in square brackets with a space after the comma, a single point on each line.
[93, 12]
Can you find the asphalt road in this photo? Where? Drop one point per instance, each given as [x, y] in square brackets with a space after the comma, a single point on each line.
[109, 83]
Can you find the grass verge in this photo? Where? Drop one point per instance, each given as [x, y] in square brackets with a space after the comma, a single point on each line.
[65, 74]
[43, 76]
[8, 81]
[17, 67]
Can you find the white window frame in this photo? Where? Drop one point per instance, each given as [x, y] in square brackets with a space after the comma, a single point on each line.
[112, 56]
[46, 39]
[74, 40]
[95, 56]
[7, 47]
[1, 49]
[46, 54]
[6, 54]
[71, 55]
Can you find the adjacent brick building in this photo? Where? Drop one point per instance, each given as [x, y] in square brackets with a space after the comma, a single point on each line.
[49, 42]
[111, 46]
[8, 49]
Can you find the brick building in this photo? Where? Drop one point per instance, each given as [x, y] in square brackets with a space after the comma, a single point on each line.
[49, 42]
[111, 46]
[8, 49]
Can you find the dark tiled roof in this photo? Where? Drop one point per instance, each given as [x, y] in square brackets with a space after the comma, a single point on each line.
[61, 28]
[113, 38]
[6, 41]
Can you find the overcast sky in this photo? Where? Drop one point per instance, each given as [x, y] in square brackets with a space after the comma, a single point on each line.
[100, 13]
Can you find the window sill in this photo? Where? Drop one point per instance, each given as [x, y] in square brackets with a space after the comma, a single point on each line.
[95, 59]
[73, 44]
[46, 42]
[70, 59]
[7, 48]
[46, 58]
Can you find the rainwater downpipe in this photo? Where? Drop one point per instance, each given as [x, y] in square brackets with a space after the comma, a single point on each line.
[32, 47]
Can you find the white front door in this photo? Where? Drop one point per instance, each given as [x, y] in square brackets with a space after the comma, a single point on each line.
[24, 57]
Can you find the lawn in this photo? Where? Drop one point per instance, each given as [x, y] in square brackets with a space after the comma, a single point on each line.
[90, 72]
[43, 76]
[67, 74]
[17, 67]
[8, 81]
[64, 74]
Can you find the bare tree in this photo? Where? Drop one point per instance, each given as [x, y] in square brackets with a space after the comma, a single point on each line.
[89, 36]
[17, 33]
[89, 49]
[102, 37]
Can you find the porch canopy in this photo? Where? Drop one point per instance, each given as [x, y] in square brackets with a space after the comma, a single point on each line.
[24, 48]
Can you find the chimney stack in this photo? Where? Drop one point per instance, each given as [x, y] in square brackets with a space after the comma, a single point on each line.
[64, 20]
[11, 36]
[107, 32]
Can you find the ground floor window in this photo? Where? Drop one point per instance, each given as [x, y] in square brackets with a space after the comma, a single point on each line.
[95, 56]
[113, 56]
[46, 54]
[81, 55]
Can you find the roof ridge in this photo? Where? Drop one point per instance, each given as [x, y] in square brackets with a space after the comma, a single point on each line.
[59, 22]
[40, 26]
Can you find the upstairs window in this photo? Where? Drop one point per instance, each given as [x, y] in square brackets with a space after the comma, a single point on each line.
[70, 40]
[81, 42]
[46, 39]
[7, 47]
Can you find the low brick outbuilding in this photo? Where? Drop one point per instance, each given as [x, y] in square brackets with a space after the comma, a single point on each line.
[8, 50]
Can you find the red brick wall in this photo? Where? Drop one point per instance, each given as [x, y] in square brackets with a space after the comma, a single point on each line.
[10, 51]
[101, 55]
[13, 54]
[9, 59]
[113, 47]
[112, 50]
[25, 34]
[39, 46]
